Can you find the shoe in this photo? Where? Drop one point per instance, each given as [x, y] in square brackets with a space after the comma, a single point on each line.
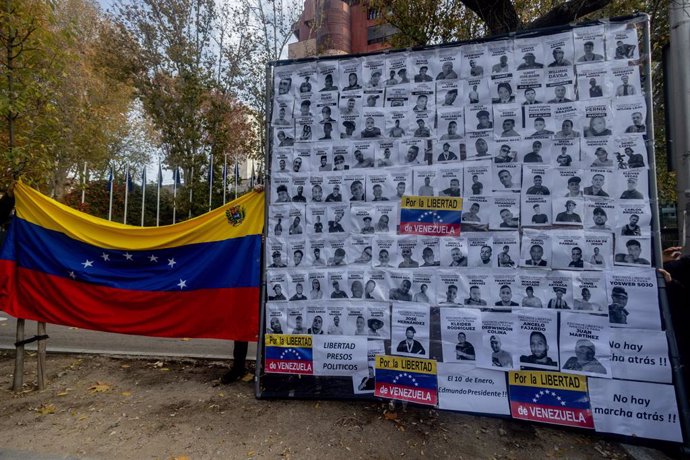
[232, 375]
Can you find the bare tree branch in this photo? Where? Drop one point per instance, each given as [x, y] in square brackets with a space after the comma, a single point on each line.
[568, 12]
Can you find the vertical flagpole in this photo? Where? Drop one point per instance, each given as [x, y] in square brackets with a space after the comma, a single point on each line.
[110, 200]
[191, 190]
[225, 177]
[158, 196]
[176, 178]
[143, 194]
[252, 181]
[237, 175]
[83, 185]
[124, 219]
[210, 180]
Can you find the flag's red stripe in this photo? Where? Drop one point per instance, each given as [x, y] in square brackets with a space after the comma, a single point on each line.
[228, 313]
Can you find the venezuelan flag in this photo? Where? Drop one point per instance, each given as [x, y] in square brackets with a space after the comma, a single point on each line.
[198, 278]
[431, 216]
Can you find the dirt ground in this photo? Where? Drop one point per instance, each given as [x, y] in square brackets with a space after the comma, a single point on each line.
[100, 407]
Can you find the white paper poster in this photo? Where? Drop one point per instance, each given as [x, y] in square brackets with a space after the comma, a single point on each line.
[460, 334]
[633, 298]
[339, 355]
[640, 355]
[410, 330]
[646, 410]
[500, 335]
[466, 388]
[584, 345]
[538, 346]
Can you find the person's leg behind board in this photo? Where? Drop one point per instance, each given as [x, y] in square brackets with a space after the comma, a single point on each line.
[239, 361]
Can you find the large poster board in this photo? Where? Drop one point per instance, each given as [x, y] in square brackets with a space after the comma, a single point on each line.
[549, 270]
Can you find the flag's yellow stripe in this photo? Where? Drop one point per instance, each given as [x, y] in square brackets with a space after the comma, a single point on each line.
[397, 363]
[553, 380]
[37, 208]
[288, 341]
[435, 203]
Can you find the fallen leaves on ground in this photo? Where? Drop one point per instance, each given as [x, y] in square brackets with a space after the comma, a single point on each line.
[100, 387]
[46, 409]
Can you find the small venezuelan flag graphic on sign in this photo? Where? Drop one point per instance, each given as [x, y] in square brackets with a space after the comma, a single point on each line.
[431, 216]
[289, 354]
[406, 379]
[550, 397]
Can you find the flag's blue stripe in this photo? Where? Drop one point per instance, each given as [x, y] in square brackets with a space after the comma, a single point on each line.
[289, 353]
[223, 264]
[572, 399]
[422, 215]
[427, 381]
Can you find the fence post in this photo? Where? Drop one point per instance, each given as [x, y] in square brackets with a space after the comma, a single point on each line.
[19, 358]
[41, 365]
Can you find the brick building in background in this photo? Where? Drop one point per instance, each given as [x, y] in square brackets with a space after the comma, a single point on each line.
[328, 27]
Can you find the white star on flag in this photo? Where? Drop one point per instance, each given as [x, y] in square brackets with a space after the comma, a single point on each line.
[105, 257]
[171, 262]
[182, 284]
[153, 258]
[72, 275]
[87, 263]
[128, 256]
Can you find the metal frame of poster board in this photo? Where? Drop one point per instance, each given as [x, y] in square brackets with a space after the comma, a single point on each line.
[277, 386]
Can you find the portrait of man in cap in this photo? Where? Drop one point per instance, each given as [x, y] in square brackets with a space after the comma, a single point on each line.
[277, 263]
[559, 59]
[410, 345]
[283, 196]
[617, 311]
[277, 293]
[530, 62]
[585, 358]
[367, 227]
[569, 215]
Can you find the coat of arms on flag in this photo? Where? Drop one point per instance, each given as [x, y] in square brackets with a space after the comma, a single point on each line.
[235, 215]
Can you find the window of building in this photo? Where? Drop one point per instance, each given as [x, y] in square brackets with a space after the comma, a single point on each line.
[380, 33]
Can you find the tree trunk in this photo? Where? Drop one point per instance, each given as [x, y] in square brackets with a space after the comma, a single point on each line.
[499, 15]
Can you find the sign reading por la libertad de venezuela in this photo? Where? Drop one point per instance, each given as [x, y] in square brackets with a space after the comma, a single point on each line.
[430, 215]
[406, 379]
[550, 397]
[289, 354]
